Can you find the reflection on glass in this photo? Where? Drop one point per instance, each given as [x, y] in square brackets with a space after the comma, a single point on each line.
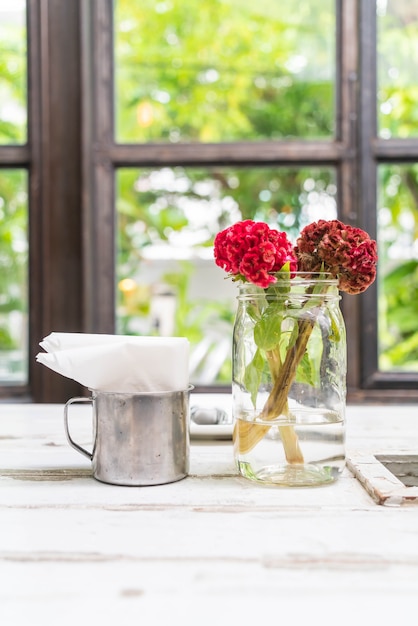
[223, 70]
[167, 281]
[13, 277]
[397, 68]
[13, 72]
[398, 268]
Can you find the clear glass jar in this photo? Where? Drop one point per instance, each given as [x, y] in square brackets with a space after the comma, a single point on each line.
[289, 382]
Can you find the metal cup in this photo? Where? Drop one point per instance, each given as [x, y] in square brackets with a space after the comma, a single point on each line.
[139, 439]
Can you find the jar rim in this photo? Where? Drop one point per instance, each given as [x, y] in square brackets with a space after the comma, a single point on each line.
[297, 279]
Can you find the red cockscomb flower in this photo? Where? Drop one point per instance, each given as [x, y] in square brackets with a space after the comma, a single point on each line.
[253, 251]
[346, 252]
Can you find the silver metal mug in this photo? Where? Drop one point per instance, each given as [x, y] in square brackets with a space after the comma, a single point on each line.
[139, 439]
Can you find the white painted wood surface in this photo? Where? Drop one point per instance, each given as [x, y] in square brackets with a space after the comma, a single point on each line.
[211, 549]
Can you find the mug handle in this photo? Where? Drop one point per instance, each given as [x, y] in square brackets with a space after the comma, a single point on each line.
[72, 443]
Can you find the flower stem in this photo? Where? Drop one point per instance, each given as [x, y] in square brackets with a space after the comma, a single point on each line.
[248, 434]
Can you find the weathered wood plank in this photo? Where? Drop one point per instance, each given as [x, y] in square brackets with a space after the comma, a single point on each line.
[383, 486]
[212, 548]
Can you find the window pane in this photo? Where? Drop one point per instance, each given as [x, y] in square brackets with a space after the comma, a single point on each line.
[13, 277]
[168, 282]
[13, 72]
[224, 70]
[398, 267]
[397, 68]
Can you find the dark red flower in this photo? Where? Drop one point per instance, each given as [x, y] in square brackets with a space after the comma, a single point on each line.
[346, 252]
[254, 252]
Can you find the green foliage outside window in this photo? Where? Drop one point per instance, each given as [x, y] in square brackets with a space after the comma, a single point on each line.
[398, 259]
[13, 196]
[398, 188]
[13, 275]
[229, 71]
[397, 69]
[223, 70]
[164, 212]
[13, 73]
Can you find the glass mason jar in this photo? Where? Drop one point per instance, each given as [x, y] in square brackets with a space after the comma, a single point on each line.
[289, 382]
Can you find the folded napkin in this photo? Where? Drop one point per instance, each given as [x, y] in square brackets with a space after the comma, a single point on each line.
[119, 363]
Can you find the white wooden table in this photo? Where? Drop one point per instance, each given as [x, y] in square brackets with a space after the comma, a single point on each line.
[210, 549]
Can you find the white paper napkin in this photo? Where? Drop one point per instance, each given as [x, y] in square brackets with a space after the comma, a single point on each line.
[119, 363]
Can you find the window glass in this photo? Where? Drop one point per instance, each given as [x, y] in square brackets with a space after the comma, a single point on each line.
[398, 267]
[397, 68]
[13, 70]
[13, 277]
[224, 70]
[167, 280]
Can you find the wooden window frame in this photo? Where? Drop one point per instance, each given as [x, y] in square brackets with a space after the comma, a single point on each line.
[72, 158]
[52, 156]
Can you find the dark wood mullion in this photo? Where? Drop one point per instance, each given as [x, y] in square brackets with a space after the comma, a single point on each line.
[347, 115]
[367, 112]
[98, 166]
[12, 156]
[347, 121]
[264, 152]
[35, 199]
[405, 381]
[400, 150]
[55, 225]
[368, 181]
